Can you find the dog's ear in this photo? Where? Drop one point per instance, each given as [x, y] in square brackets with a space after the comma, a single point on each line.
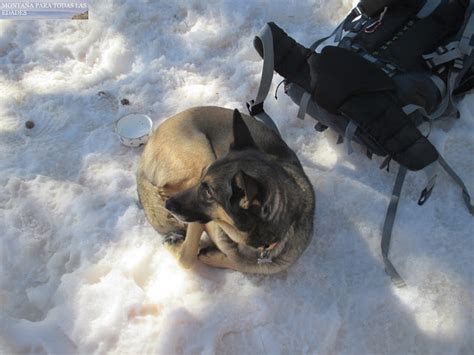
[242, 137]
[250, 188]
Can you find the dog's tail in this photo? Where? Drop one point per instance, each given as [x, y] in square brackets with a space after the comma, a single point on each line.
[153, 199]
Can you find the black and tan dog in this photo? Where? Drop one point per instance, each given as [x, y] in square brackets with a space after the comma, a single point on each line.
[211, 169]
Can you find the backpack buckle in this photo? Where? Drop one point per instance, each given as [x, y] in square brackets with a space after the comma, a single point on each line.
[425, 194]
[356, 19]
[320, 127]
[359, 11]
[458, 64]
[371, 28]
[450, 52]
[254, 109]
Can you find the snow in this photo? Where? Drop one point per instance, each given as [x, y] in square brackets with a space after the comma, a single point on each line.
[81, 271]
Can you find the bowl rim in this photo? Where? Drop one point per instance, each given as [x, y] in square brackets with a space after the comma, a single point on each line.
[150, 121]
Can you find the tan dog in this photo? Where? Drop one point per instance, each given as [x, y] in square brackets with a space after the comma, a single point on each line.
[233, 177]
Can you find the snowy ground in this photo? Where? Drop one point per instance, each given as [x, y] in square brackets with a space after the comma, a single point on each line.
[81, 271]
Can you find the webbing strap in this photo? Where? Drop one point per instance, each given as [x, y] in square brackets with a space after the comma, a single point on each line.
[465, 193]
[388, 227]
[456, 49]
[428, 8]
[351, 129]
[266, 37]
[388, 68]
[304, 102]
[393, 205]
[370, 58]
[431, 173]
[465, 43]
[256, 106]
[462, 53]
[467, 64]
[439, 84]
[267, 120]
[410, 108]
[337, 33]
[446, 102]
[450, 52]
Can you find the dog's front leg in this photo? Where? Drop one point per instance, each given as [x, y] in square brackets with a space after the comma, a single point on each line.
[230, 257]
[186, 250]
[216, 258]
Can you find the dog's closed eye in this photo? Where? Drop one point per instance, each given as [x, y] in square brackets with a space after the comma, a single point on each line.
[206, 191]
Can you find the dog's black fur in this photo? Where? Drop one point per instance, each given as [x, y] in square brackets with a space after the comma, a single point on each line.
[260, 186]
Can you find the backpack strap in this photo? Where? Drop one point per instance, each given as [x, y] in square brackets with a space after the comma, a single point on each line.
[303, 105]
[466, 85]
[347, 24]
[355, 20]
[428, 8]
[461, 54]
[458, 48]
[440, 84]
[255, 107]
[337, 33]
[388, 227]
[349, 135]
[431, 172]
[465, 193]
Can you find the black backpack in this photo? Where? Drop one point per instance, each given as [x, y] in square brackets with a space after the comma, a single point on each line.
[395, 64]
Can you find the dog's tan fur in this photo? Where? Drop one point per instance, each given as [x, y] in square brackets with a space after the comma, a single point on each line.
[173, 160]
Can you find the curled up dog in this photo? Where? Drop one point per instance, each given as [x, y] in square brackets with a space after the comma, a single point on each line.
[212, 169]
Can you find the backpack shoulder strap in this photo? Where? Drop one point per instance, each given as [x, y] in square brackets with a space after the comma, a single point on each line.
[428, 7]
[255, 107]
[461, 53]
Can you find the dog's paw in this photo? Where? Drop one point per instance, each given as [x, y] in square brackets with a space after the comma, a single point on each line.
[173, 239]
[215, 258]
[207, 249]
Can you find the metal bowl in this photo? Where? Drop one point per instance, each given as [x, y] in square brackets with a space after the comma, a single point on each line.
[134, 129]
